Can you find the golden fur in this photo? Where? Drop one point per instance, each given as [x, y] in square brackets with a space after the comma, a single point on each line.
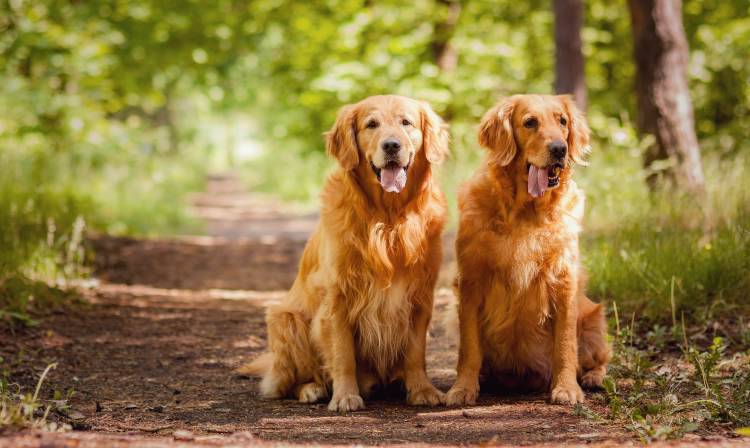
[358, 312]
[525, 321]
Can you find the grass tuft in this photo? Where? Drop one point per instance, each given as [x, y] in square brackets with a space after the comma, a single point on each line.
[24, 410]
[22, 299]
[660, 271]
[662, 386]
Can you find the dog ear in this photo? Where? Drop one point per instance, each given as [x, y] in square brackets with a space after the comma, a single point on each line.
[496, 131]
[435, 137]
[578, 131]
[341, 140]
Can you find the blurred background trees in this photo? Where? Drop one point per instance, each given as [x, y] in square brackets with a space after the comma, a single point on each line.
[284, 67]
[110, 111]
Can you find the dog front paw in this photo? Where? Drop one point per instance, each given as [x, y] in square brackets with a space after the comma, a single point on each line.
[462, 395]
[426, 395]
[346, 402]
[567, 394]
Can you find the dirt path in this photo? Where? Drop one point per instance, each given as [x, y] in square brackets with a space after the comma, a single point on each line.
[153, 354]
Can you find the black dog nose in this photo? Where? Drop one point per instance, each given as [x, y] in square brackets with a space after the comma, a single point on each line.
[558, 149]
[391, 146]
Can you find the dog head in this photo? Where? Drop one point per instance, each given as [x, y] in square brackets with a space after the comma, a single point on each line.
[389, 134]
[541, 134]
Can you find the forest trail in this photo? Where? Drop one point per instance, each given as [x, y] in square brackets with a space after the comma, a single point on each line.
[151, 358]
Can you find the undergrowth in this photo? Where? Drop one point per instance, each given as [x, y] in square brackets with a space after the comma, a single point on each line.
[23, 299]
[21, 409]
[49, 201]
[665, 382]
[41, 235]
[645, 267]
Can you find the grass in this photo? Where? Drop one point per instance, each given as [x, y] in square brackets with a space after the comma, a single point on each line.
[670, 383]
[50, 199]
[645, 268]
[664, 248]
[41, 233]
[23, 299]
[26, 410]
[150, 204]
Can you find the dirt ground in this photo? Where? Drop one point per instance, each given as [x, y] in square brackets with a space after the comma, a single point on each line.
[152, 353]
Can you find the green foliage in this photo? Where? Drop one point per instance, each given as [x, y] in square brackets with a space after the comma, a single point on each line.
[109, 113]
[78, 119]
[639, 266]
[36, 220]
[312, 58]
[719, 35]
[41, 232]
[21, 298]
[19, 409]
[649, 252]
[86, 141]
[318, 58]
[659, 396]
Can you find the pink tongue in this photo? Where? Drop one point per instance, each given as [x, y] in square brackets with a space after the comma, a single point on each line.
[537, 181]
[393, 179]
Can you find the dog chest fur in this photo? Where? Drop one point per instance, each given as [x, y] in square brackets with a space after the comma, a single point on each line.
[381, 325]
[519, 307]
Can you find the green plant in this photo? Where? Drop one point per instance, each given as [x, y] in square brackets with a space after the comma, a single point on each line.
[726, 397]
[22, 298]
[20, 409]
[41, 233]
[660, 256]
[659, 394]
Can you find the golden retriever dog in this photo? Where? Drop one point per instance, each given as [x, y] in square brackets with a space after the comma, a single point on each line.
[357, 314]
[525, 321]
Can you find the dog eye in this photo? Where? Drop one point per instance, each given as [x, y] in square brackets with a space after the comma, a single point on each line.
[372, 124]
[563, 121]
[530, 123]
[406, 122]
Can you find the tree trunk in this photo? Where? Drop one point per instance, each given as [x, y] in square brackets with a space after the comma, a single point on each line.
[664, 106]
[570, 74]
[444, 53]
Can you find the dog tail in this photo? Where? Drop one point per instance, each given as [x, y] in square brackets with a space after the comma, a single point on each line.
[257, 367]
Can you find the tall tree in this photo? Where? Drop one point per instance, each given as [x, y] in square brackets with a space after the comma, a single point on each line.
[569, 61]
[444, 53]
[664, 105]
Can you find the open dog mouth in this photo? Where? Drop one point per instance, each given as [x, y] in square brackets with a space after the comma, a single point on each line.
[540, 179]
[392, 176]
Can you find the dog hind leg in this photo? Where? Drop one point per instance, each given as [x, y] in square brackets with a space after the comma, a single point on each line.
[367, 380]
[594, 351]
[290, 362]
